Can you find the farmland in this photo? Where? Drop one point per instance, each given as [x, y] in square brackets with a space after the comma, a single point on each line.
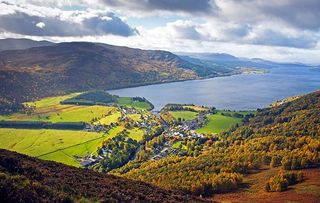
[36, 142]
[218, 123]
[186, 115]
[64, 145]
[128, 102]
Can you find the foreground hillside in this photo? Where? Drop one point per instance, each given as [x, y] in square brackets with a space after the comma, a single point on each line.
[76, 66]
[26, 179]
[284, 137]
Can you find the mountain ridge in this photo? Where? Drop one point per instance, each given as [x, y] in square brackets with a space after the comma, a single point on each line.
[77, 66]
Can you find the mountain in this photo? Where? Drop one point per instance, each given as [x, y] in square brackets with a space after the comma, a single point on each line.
[229, 61]
[282, 137]
[217, 57]
[26, 179]
[77, 66]
[15, 44]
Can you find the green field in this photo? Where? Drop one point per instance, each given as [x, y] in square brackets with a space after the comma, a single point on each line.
[136, 134]
[134, 117]
[49, 109]
[50, 101]
[218, 123]
[35, 142]
[127, 101]
[187, 115]
[63, 113]
[107, 120]
[179, 144]
[196, 108]
[55, 145]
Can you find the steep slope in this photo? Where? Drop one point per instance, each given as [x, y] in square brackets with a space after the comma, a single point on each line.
[286, 136]
[77, 66]
[15, 44]
[26, 179]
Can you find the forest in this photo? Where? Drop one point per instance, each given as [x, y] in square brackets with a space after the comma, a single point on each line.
[286, 136]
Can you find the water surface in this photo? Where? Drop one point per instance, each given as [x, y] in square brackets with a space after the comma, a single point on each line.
[237, 92]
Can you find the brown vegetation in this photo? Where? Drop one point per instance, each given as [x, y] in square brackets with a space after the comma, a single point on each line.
[26, 179]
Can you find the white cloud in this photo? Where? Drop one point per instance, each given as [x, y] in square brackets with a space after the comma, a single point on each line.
[286, 30]
[22, 18]
[41, 25]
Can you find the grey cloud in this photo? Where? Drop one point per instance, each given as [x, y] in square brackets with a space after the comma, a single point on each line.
[189, 6]
[273, 38]
[304, 14]
[25, 24]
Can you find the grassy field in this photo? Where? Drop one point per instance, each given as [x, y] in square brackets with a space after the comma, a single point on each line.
[63, 113]
[63, 145]
[218, 123]
[56, 145]
[49, 109]
[134, 117]
[127, 101]
[177, 145]
[136, 134]
[50, 101]
[107, 120]
[35, 142]
[187, 115]
[196, 108]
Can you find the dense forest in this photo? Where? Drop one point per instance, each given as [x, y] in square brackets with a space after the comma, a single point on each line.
[286, 136]
[91, 98]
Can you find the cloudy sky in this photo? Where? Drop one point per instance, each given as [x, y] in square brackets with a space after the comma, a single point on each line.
[281, 30]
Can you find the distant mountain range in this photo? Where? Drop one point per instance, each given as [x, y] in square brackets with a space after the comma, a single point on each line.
[77, 66]
[230, 61]
[34, 69]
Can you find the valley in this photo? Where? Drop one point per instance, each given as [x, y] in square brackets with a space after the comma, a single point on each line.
[160, 101]
[205, 151]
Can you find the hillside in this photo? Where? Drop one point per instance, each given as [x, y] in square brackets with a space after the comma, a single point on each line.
[15, 44]
[77, 66]
[26, 179]
[284, 137]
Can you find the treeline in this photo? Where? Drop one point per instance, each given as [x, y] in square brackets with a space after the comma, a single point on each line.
[42, 124]
[91, 98]
[180, 107]
[8, 107]
[116, 152]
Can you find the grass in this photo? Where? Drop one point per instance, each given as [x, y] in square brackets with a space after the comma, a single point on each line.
[64, 113]
[134, 117]
[177, 145]
[136, 134]
[56, 145]
[107, 120]
[187, 115]
[50, 101]
[127, 101]
[218, 123]
[49, 109]
[35, 142]
[196, 108]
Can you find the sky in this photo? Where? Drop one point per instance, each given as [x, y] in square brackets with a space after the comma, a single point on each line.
[278, 30]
